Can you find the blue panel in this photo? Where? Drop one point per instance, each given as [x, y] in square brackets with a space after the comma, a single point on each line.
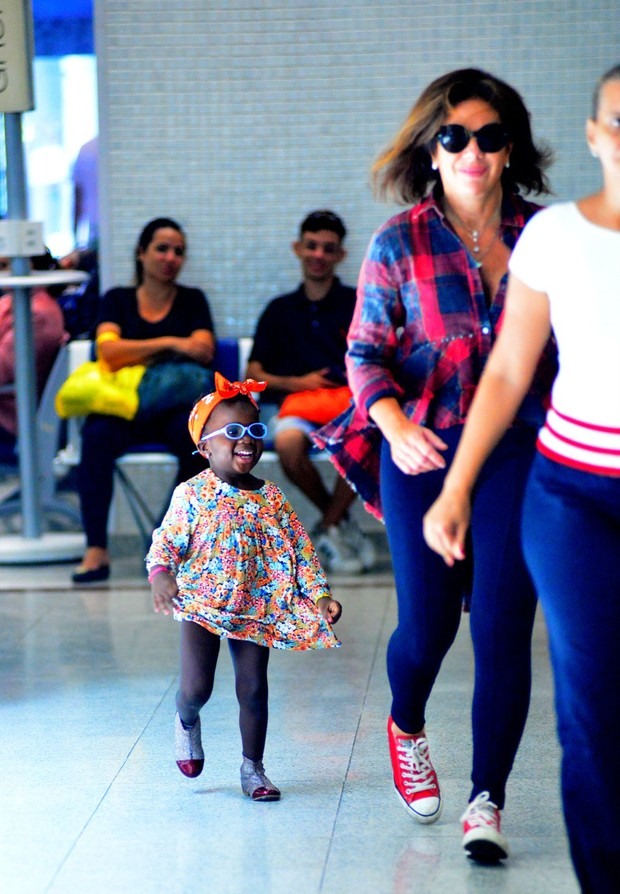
[226, 359]
[63, 28]
[62, 9]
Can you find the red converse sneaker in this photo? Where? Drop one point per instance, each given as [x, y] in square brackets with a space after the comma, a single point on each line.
[482, 838]
[415, 779]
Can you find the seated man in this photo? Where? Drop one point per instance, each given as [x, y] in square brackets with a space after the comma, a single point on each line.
[299, 345]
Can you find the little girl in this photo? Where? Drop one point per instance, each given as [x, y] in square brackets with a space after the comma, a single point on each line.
[231, 559]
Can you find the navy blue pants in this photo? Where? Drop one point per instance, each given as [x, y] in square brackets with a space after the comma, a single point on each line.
[104, 439]
[430, 597]
[571, 537]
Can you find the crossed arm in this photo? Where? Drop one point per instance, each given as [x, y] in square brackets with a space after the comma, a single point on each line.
[199, 346]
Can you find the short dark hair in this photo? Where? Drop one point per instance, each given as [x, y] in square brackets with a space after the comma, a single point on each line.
[323, 220]
[403, 171]
[146, 237]
[613, 74]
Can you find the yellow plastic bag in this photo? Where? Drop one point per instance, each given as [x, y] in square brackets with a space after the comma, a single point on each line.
[92, 388]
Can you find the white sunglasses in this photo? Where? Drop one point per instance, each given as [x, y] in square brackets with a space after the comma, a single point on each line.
[234, 431]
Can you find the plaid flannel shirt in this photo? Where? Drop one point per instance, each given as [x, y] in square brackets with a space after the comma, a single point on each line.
[422, 332]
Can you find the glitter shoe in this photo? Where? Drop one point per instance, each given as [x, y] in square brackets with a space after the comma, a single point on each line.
[255, 784]
[188, 748]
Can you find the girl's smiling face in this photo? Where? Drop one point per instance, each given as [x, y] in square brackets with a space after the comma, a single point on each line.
[232, 461]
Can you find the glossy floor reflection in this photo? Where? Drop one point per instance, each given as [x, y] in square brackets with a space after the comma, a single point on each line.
[92, 801]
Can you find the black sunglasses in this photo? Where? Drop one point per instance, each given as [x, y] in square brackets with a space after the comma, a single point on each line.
[455, 137]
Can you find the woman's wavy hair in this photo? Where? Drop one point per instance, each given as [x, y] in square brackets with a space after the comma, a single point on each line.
[403, 171]
[146, 237]
[613, 74]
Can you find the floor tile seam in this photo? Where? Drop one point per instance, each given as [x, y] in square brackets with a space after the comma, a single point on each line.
[48, 589]
[36, 622]
[371, 669]
[108, 788]
[133, 583]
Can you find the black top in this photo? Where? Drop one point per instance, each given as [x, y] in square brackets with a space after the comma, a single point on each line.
[189, 312]
[295, 336]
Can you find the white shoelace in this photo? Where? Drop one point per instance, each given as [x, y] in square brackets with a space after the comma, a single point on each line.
[416, 769]
[482, 812]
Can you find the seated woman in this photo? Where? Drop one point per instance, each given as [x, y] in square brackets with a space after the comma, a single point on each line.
[143, 324]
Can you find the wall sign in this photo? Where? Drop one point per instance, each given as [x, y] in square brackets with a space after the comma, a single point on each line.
[16, 50]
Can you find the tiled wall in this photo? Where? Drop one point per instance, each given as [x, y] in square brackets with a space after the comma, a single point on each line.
[238, 117]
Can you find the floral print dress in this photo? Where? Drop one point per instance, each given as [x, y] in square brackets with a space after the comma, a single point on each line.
[244, 564]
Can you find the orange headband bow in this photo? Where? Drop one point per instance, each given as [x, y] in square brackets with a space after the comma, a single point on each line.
[224, 390]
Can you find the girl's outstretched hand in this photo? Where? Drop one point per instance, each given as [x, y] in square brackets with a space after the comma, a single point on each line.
[164, 589]
[445, 526]
[329, 608]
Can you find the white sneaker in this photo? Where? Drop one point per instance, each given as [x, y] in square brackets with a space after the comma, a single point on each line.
[360, 544]
[482, 837]
[334, 552]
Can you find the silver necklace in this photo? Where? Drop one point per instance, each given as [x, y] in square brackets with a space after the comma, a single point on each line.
[478, 256]
[475, 236]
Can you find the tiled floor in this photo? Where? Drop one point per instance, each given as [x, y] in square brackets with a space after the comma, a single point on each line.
[91, 800]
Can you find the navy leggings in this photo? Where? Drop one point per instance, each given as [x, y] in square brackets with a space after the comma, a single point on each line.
[430, 597]
[571, 537]
[104, 439]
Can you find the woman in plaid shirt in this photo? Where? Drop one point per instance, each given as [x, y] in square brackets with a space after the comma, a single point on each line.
[429, 305]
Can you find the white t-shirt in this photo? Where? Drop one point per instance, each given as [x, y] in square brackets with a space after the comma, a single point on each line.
[577, 264]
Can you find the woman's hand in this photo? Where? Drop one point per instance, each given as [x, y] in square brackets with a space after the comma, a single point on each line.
[445, 525]
[199, 346]
[331, 609]
[415, 448]
[164, 589]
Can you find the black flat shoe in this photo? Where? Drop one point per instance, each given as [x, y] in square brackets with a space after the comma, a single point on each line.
[91, 575]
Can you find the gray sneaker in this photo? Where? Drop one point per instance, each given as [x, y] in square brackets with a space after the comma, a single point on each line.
[335, 553]
[359, 542]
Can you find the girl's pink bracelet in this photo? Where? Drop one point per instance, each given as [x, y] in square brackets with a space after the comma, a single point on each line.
[155, 571]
